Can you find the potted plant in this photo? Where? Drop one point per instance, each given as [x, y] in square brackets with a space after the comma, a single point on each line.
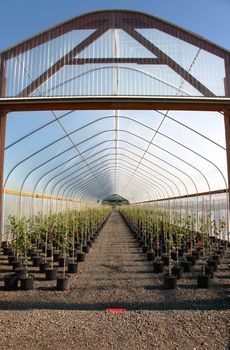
[177, 269]
[62, 278]
[80, 253]
[170, 281]
[158, 265]
[24, 244]
[72, 263]
[203, 279]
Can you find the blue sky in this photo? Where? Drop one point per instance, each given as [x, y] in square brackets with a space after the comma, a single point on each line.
[24, 18]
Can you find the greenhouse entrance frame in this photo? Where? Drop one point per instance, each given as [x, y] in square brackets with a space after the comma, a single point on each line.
[100, 22]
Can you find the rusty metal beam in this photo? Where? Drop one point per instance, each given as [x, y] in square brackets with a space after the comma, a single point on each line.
[192, 195]
[110, 103]
[167, 60]
[89, 21]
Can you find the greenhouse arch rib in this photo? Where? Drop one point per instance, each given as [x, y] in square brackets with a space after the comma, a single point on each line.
[19, 91]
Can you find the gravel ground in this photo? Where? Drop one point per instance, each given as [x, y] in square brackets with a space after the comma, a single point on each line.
[116, 273]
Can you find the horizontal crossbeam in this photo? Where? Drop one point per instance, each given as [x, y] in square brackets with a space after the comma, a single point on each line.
[110, 103]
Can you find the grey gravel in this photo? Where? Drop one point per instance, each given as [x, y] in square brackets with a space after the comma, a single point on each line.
[116, 273]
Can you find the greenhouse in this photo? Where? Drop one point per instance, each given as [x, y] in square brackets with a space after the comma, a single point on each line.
[115, 120]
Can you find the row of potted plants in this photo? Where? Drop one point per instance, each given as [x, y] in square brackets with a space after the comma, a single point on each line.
[177, 242]
[60, 239]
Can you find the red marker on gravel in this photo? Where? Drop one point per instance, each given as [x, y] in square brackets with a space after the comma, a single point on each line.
[115, 309]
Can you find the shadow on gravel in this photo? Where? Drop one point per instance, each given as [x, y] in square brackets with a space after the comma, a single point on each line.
[143, 259]
[45, 289]
[159, 287]
[187, 286]
[144, 271]
[196, 305]
[227, 277]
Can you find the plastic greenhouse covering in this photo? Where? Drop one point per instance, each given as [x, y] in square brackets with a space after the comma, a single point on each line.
[60, 159]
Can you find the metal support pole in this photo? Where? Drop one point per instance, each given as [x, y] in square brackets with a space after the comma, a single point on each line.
[3, 116]
[227, 129]
[227, 137]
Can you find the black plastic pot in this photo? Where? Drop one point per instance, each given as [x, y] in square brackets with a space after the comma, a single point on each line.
[85, 249]
[89, 244]
[177, 271]
[4, 244]
[63, 283]
[11, 281]
[174, 256]
[49, 253]
[209, 271]
[158, 266]
[72, 267]
[7, 250]
[181, 252]
[165, 259]
[37, 260]
[220, 253]
[216, 257]
[80, 257]
[196, 254]
[170, 282]
[51, 274]
[151, 255]
[203, 281]
[192, 259]
[186, 265]
[43, 266]
[145, 248]
[56, 256]
[10, 251]
[27, 282]
[62, 262]
[213, 263]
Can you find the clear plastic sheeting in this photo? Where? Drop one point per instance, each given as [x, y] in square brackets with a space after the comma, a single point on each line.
[142, 155]
[115, 53]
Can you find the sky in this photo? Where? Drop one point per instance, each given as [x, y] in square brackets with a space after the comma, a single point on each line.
[24, 18]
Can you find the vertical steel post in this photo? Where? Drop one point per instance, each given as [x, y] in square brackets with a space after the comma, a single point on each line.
[3, 116]
[227, 126]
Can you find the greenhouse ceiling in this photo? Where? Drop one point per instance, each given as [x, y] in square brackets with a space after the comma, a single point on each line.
[121, 77]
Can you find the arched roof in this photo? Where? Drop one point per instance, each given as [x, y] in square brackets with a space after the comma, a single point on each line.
[158, 22]
[135, 53]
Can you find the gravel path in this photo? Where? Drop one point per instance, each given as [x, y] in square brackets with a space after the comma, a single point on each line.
[116, 273]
